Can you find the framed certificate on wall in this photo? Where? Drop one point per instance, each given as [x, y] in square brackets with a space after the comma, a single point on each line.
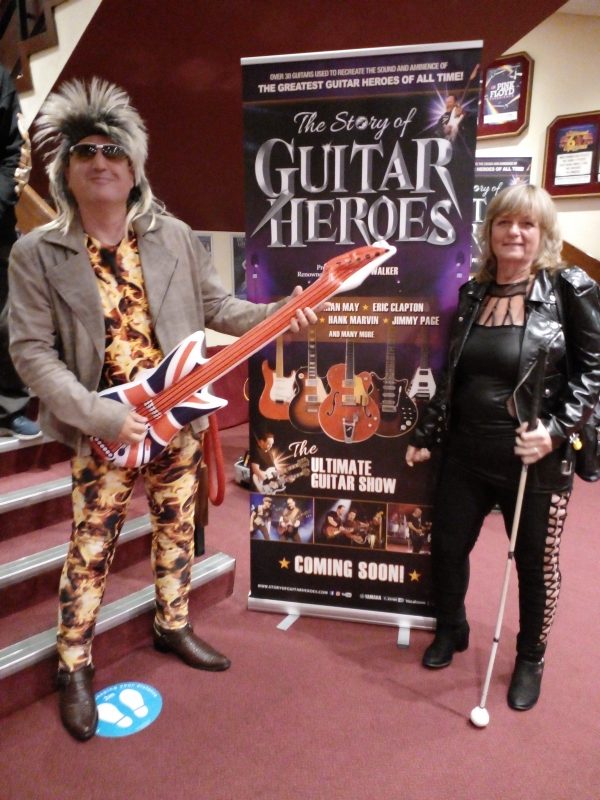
[504, 110]
[571, 156]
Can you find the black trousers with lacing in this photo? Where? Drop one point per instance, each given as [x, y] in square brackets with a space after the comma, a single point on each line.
[463, 499]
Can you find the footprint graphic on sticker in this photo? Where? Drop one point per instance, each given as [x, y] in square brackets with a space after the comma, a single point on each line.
[134, 701]
[110, 714]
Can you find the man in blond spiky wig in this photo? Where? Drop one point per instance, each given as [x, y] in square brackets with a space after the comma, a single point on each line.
[78, 110]
[107, 289]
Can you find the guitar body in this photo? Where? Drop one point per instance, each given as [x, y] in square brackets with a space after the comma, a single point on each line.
[330, 532]
[304, 406]
[276, 481]
[309, 392]
[275, 398]
[422, 385]
[290, 528]
[398, 411]
[348, 414]
[162, 425]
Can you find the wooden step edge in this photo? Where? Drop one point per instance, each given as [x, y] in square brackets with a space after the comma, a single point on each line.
[26, 653]
[32, 495]
[27, 567]
[10, 443]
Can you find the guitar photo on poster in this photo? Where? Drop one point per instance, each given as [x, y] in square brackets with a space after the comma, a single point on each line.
[398, 410]
[349, 414]
[291, 521]
[309, 391]
[422, 385]
[276, 480]
[279, 388]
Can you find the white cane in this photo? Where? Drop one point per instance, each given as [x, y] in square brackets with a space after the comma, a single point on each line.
[479, 715]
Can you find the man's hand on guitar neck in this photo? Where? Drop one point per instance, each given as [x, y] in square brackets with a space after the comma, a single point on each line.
[303, 316]
[134, 428]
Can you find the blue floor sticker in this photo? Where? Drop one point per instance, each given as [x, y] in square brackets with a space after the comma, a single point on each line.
[126, 708]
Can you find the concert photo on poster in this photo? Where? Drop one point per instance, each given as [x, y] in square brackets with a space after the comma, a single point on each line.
[359, 170]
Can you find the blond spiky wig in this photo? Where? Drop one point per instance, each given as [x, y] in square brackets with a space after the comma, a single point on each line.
[77, 110]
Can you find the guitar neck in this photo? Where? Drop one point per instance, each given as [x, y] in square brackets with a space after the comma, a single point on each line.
[349, 361]
[390, 364]
[248, 344]
[279, 357]
[312, 355]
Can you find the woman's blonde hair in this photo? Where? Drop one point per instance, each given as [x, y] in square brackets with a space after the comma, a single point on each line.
[521, 199]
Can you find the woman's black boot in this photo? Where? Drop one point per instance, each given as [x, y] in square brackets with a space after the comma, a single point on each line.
[449, 639]
[524, 689]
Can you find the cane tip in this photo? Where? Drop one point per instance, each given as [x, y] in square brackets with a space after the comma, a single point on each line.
[480, 717]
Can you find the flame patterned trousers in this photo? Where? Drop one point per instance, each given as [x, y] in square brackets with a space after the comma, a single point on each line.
[101, 493]
[463, 500]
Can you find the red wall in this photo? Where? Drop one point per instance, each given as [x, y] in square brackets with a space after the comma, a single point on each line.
[180, 60]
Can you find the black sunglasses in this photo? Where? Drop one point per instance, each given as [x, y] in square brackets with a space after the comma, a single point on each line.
[87, 150]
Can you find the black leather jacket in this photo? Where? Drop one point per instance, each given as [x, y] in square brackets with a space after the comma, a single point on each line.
[571, 384]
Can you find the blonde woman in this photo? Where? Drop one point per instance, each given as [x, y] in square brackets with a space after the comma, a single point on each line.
[506, 315]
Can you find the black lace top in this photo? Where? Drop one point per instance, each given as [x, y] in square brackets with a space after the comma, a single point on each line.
[485, 379]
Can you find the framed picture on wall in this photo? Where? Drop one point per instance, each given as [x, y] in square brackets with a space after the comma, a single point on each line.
[572, 155]
[206, 239]
[238, 265]
[504, 109]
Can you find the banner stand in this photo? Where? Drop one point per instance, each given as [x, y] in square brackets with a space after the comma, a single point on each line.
[403, 621]
[344, 149]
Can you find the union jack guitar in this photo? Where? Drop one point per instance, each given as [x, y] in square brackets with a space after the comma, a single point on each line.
[175, 392]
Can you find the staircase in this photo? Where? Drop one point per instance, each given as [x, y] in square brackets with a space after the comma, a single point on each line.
[34, 531]
[27, 27]
[37, 38]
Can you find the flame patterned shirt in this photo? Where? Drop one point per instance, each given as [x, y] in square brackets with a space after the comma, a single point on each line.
[131, 344]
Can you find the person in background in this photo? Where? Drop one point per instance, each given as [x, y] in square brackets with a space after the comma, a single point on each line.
[449, 123]
[417, 530]
[263, 468]
[105, 290]
[260, 519]
[14, 173]
[289, 522]
[478, 415]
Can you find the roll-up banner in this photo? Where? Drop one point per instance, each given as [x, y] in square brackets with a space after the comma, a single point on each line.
[359, 188]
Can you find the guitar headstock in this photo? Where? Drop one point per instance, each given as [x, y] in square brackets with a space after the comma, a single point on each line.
[351, 268]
